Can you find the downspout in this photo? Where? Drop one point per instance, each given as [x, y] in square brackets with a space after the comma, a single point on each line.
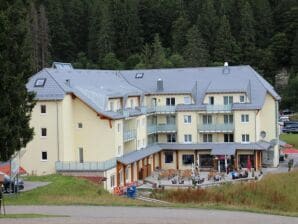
[57, 123]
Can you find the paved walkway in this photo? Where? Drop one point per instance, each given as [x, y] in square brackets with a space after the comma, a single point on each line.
[132, 215]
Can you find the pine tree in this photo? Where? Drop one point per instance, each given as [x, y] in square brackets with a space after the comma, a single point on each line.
[294, 53]
[177, 61]
[110, 61]
[279, 47]
[207, 22]
[195, 52]
[158, 59]
[247, 34]
[179, 30]
[226, 48]
[15, 69]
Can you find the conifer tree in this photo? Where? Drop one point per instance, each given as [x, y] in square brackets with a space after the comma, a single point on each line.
[225, 46]
[179, 30]
[158, 59]
[247, 33]
[195, 52]
[15, 70]
[294, 52]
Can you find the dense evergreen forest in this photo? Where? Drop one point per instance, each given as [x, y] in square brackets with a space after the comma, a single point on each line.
[128, 34]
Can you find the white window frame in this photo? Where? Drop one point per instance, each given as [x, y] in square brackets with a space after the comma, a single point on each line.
[188, 138]
[44, 160]
[240, 97]
[111, 105]
[41, 109]
[187, 119]
[245, 138]
[43, 136]
[244, 118]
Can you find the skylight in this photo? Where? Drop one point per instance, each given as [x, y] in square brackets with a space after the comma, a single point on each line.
[62, 66]
[40, 82]
[139, 75]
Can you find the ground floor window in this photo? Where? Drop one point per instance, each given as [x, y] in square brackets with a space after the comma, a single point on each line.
[206, 161]
[168, 157]
[246, 161]
[187, 159]
[44, 155]
[112, 180]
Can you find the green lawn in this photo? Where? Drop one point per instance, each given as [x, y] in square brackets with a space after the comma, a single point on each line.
[66, 190]
[274, 194]
[290, 138]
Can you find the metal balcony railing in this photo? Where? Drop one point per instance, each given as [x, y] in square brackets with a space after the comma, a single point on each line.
[160, 128]
[129, 135]
[225, 128]
[219, 108]
[85, 166]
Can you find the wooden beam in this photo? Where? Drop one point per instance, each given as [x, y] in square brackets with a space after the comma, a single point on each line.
[236, 161]
[118, 167]
[124, 174]
[143, 169]
[147, 162]
[159, 160]
[153, 162]
[177, 160]
[138, 169]
[131, 172]
[256, 160]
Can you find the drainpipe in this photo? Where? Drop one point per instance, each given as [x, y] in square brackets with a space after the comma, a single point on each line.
[57, 123]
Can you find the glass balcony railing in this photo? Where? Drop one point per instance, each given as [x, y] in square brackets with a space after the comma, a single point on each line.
[129, 135]
[219, 108]
[85, 166]
[160, 128]
[161, 109]
[226, 128]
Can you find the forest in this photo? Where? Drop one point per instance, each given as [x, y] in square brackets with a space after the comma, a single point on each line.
[132, 34]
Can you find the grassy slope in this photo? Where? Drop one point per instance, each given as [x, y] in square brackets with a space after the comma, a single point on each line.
[275, 194]
[290, 138]
[69, 190]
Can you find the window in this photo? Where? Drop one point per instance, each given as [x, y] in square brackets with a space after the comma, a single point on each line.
[44, 155]
[187, 119]
[112, 181]
[119, 127]
[228, 119]
[206, 161]
[43, 109]
[43, 132]
[187, 138]
[245, 138]
[81, 155]
[241, 99]
[187, 100]
[40, 82]
[211, 100]
[171, 137]
[170, 119]
[118, 105]
[187, 159]
[119, 150]
[170, 101]
[207, 137]
[228, 138]
[131, 103]
[80, 125]
[207, 119]
[244, 118]
[111, 106]
[228, 100]
[168, 157]
[139, 75]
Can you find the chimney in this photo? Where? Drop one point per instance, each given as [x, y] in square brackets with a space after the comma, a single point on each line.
[226, 69]
[159, 85]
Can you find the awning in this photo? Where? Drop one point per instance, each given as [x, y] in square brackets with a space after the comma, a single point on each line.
[223, 149]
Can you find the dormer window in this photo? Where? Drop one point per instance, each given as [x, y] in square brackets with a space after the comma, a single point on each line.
[139, 75]
[211, 100]
[40, 82]
[242, 99]
[187, 100]
[112, 106]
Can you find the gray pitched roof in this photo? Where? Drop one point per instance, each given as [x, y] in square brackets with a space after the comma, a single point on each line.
[94, 87]
[227, 148]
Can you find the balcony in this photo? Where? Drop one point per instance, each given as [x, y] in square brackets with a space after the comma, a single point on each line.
[219, 108]
[217, 128]
[161, 128]
[86, 166]
[162, 109]
[129, 135]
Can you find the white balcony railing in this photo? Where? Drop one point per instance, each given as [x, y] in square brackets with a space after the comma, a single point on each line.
[226, 128]
[219, 108]
[160, 128]
[129, 135]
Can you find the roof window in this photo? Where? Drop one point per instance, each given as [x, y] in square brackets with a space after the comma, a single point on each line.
[139, 75]
[40, 82]
[62, 66]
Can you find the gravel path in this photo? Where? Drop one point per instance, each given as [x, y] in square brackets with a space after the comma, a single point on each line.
[132, 215]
